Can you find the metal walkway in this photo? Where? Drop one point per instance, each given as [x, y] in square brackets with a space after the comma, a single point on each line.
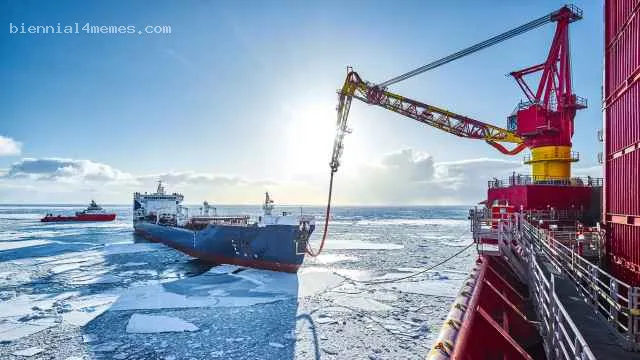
[603, 342]
[583, 312]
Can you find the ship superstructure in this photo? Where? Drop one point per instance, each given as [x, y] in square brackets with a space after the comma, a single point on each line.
[268, 241]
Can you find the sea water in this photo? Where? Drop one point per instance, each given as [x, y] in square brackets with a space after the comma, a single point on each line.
[95, 290]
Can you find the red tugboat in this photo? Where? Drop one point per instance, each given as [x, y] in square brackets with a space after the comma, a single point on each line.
[93, 213]
[558, 272]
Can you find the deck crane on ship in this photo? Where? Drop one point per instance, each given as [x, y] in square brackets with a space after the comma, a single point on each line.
[544, 123]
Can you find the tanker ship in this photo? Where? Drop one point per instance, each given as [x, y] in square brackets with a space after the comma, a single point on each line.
[273, 242]
[557, 274]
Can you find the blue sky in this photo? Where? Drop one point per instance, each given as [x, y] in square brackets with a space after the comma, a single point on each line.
[244, 91]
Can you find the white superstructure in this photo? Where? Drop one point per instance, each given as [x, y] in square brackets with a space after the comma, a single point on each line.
[160, 207]
[158, 204]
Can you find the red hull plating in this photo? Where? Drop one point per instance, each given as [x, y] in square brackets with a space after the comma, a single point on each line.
[622, 138]
[531, 197]
[82, 217]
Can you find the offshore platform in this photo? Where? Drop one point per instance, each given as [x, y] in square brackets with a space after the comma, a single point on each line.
[558, 268]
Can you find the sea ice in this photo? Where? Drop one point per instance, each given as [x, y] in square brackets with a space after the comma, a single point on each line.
[360, 302]
[156, 296]
[129, 248]
[307, 282]
[89, 280]
[141, 323]
[65, 267]
[87, 308]
[338, 244]
[13, 330]
[448, 288]
[34, 350]
[334, 258]
[24, 304]
[131, 264]
[223, 269]
[10, 245]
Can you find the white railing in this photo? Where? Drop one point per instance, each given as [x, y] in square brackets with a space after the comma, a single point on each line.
[562, 338]
[614, 300]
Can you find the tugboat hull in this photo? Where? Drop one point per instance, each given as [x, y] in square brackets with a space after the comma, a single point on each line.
[79, 218]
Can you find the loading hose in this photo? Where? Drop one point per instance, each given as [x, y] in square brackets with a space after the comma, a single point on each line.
[326, 222]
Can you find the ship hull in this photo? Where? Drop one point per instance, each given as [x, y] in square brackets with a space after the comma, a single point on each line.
[80, 218]
[275, 247]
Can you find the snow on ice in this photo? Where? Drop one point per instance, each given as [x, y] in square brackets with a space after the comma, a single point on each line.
[11, 245]
[338, 244]
[141, 323]
[29, 352]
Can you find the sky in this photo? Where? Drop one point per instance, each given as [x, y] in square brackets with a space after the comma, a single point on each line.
[239, 98]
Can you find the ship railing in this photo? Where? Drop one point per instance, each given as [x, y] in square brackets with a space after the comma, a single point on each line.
[562, 337]
[615, 301]
[520, 179]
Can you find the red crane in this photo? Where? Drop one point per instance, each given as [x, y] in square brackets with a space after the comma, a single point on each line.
[544, 123]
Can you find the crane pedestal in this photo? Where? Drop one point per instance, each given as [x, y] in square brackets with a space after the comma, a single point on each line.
[577, 198]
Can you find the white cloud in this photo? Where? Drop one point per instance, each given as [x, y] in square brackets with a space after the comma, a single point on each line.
[9, 147]
[69, 170]
[404, 177]
[410, 177]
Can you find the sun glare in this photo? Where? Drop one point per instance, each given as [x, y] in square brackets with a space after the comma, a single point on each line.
[310, 135]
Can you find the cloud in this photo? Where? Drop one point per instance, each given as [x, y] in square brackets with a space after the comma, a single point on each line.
[403, 177]
[65, 170]
[411, 177]
[9, 147]
[193, 178]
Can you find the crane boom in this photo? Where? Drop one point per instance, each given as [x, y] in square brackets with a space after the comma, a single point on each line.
[456, 124]
[548, 150]
[576, 15]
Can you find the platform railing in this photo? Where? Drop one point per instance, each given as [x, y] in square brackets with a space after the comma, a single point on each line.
[615, 301]
[520, 179]
[562, 337]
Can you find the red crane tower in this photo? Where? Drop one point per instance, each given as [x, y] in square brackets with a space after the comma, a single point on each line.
[544, 123]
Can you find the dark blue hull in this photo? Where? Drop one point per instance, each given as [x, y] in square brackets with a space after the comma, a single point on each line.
[274, 247]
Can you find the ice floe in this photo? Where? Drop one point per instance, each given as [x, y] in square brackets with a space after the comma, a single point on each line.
[34, 350]
[448, 288]
[334, 258]
[359, 302]
[23, 305]
[141, 323]
[157, 296]
[86, 308]
[130, 248]
[339, 244]
[224, 269]
[11, 245]
[307, 282]
[414, 222]
[93, 279]
[11, 330]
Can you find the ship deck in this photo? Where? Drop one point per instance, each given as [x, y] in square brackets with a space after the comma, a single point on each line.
[602, 340]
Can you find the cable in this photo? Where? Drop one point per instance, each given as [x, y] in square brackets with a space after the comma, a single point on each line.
[373, 282]
[326, 222]
[470, 50]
